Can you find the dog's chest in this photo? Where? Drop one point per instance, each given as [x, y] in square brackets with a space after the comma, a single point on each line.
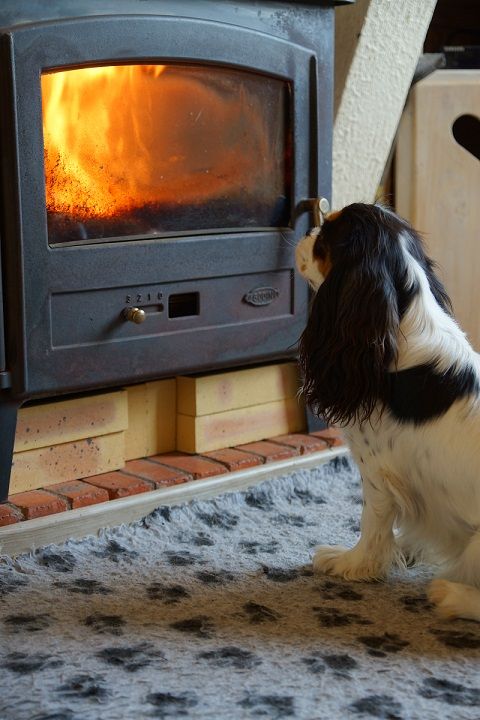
[382, 459]
[427, 495]
[370, 448]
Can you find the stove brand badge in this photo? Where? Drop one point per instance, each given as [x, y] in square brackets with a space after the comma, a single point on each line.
[261, 296]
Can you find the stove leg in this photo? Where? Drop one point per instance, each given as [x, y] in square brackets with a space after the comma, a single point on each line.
[8, 423]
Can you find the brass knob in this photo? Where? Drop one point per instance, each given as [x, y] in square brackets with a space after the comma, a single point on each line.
[135, 315]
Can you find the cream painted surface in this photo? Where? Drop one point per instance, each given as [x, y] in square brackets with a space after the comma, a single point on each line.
[207, 394]
[45, 466]
[388, 38]
[242, 425]
[151, 419]
[63, 421]
[438, 185]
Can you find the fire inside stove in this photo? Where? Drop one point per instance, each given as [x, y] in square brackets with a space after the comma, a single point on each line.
[151, 150]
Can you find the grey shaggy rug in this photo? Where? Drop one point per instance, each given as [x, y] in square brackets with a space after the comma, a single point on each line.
[210, 610]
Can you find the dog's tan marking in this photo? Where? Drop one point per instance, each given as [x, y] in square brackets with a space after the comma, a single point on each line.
[332, 215]
[306, 263]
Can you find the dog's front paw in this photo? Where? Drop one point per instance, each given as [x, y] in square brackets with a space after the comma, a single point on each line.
[454, 600]
[348, 564]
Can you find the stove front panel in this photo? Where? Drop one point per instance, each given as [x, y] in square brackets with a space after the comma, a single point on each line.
[68, 282]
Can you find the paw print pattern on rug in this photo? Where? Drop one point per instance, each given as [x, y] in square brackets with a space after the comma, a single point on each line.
[307, 571]
[280, 575]
[214, 577]
[331, 590]
[307, 497]
[201, 626]
[258, 499]
[84, 687]
[165, 513]
[60, 715]
[22, 663]
[451, 693]
[168, 594]
[315, 664]
[416, 603]
[353, 524]
[63, 562]
[232, 657]
[184, 557]
[252, 547]
[461, 639]
[292, 520]
[382, 645]
[84, 586]
[272, 706]
[27, 623]
[258, 614]
[94, 632]
[168, 705]
[115, 552]
[340, 463]
[131, 658]
[329, 616]
[340, 664]
[10, 581]
[199, 540]
[105, 624]
[377, 706]
[221, 520]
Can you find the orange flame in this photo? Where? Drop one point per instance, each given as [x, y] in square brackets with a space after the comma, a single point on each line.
[121, 137]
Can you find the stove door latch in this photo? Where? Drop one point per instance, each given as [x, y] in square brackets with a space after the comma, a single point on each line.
[319, 207]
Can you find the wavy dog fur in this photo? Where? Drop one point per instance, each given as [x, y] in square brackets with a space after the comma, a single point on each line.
[383, 357]
[351, 336]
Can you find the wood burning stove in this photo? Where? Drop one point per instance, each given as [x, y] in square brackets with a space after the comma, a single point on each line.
[157, 156]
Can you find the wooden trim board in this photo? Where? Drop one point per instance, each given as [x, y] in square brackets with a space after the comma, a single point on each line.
[31, 534]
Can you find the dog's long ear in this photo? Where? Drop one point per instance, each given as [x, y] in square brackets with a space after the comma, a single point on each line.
[351, 336]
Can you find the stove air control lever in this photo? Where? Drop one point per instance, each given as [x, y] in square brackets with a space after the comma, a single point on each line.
[135, 315]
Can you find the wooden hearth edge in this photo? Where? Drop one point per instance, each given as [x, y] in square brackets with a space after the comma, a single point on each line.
[31, 534]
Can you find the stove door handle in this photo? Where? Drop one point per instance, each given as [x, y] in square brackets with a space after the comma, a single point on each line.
[319, 207]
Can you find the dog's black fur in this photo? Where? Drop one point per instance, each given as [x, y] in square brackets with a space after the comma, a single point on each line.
[350, 342]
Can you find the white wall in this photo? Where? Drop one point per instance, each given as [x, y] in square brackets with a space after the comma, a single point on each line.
[378, 43]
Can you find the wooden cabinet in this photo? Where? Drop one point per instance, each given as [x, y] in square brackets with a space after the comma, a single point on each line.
[437, 182]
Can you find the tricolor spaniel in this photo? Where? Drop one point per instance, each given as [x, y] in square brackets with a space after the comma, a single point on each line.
[383, 357]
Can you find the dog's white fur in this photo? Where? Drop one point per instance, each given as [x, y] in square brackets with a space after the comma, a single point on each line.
[421, 484]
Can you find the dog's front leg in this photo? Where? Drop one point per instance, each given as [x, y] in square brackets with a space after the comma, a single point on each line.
[374, 553]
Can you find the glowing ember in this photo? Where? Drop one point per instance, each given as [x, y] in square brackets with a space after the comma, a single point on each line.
[122, 138]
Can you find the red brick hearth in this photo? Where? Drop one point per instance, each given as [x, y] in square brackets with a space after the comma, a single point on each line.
[159, 471]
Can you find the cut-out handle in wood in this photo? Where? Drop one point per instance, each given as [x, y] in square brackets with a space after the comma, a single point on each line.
[466, 131]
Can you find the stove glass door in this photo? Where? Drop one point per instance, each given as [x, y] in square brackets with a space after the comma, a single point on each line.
[135, 151]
